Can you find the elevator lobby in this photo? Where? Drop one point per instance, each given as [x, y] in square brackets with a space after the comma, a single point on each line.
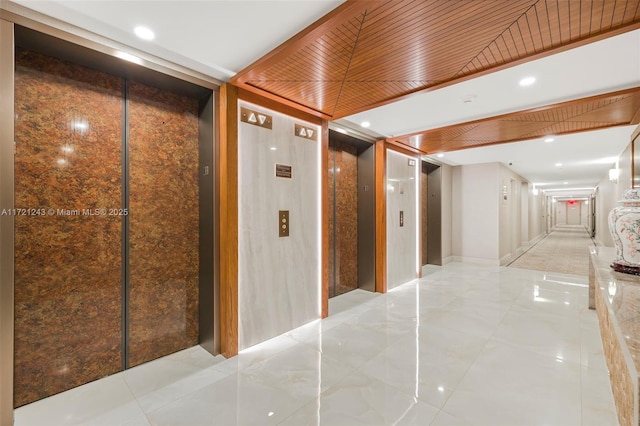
[463, 345]
[317, 212]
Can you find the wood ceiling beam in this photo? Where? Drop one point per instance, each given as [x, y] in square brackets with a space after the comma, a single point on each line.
[504, 126]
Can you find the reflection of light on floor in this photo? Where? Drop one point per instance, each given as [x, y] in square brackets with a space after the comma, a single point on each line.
[537, 298]
[564, 282]
[403, 286]
[416, 395]
[536, 295]
[417, 391]
[278, 342]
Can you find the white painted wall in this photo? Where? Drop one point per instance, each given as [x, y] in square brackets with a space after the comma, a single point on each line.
[446, 220]
[495, 215]
[512, 240]
[525, 195]
[475, 215]
[561, 213]
[607, 195]
[584, 213]
[402, 240]
[536, 216]
[551, 213]
[279, 277]
[574, 212]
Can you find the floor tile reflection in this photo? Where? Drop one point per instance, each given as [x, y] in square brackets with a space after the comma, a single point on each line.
[464, 345]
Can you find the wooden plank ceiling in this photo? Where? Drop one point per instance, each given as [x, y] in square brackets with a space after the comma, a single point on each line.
[596, 112]
[367, 53]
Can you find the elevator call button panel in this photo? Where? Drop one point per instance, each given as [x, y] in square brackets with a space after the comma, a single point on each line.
[283, 223]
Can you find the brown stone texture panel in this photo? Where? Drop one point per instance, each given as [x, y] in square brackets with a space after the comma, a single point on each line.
[343, 222]
[622, 384]
[68, 304]
[332, 220]
[163, 229]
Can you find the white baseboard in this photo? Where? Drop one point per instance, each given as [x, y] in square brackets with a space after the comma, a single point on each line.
[476, 260]
[536, 239]
[447, 259]
[429, 269]
[508, 258]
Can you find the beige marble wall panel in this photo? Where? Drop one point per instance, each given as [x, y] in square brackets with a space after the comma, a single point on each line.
[401, 240]
[279, 277]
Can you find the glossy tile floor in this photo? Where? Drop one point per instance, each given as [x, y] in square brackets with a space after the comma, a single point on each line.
[465, 345]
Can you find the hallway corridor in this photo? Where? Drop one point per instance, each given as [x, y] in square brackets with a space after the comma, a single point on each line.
[564, 250]
[464, 345]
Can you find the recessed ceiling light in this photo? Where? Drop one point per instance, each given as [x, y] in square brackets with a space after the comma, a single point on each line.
[565, 183]
[440, 155]
[527, 81]
[468, 99]
[365, 124]
[558, 164]
[144, 33]
[273, 148]
[549, 140]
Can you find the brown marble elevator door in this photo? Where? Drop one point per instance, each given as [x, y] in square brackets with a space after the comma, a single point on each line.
[163, 229]
[106, 230]
[343, 218]
[351, 212]
[68, 286]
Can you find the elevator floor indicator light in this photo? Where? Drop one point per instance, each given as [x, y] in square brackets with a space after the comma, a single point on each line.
[256, 118]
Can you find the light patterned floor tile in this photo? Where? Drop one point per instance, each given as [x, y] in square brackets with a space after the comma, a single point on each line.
[465, 345]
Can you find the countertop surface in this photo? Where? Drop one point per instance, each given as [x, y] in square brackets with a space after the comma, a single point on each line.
[622, 292]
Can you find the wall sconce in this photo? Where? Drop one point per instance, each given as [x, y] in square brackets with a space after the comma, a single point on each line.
[614, 174]
[535, 191]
